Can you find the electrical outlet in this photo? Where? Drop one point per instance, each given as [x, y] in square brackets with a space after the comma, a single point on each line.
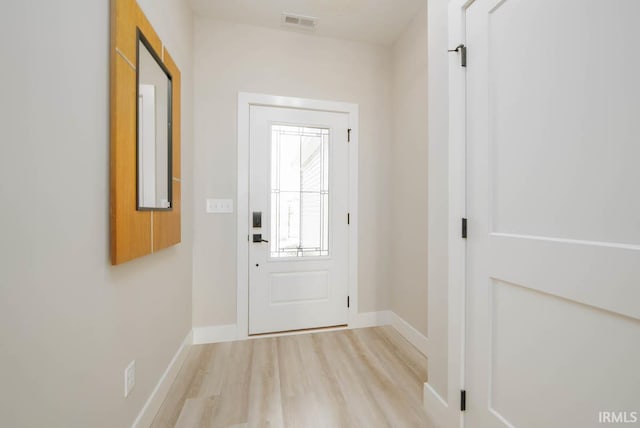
[129, 378]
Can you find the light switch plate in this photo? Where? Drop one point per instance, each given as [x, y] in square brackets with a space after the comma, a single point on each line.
[219, 206]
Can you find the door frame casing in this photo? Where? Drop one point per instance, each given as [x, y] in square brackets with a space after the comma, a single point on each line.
[245, 101]
[457, 209]
[445, 410]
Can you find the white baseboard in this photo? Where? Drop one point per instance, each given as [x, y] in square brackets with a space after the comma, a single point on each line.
[215, 334]
[151, 407]
[370, 319]
[229, 332]
[409, 332]
[436, 407]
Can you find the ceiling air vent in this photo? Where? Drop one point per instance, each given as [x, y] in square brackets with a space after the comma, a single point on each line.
[291, 20]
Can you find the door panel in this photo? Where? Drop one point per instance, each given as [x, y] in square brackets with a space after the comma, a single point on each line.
[556, 362]
[563, 97]
[553, 250]
[298, 274]
[285, 287]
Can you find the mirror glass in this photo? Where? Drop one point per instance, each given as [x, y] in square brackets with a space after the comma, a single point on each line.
[154, 130]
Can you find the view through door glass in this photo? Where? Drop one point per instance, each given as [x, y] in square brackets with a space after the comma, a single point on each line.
[299, 191]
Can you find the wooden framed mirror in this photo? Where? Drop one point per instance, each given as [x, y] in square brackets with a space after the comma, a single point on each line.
[145, 137]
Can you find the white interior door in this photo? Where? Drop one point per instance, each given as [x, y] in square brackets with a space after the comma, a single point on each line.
[298, 272]
[553, 146]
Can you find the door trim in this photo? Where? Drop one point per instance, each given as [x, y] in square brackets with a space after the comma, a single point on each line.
[245, 101]
[446, 409]
[457, 209]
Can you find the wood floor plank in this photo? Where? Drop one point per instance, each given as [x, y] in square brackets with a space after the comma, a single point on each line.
[298, 366]
[189, 374]
[265, 401]
[362, 409]
[233, 408]
[408, 356]
[366, 378]
[409, 372]
[214, 364]
[385, 379]
[196, 413]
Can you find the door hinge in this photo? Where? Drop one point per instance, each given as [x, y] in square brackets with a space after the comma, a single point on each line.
[348, 303]
[462, 49]
[464, 228]
[348, 218]
[349, 135]
[463, 400]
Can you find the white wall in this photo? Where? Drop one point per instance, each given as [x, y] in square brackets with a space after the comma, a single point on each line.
[230, 58]
[420, 182]
[409, 171]
[69, 322]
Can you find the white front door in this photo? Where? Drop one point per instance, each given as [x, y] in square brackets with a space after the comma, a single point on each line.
[553, 206]
[298, 203]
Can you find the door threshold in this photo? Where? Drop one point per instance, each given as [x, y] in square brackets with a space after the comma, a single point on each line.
[301, 331]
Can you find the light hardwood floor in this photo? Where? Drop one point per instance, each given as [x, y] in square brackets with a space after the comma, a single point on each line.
[367, 377]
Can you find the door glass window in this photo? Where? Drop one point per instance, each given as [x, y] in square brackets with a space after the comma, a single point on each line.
[299, 191]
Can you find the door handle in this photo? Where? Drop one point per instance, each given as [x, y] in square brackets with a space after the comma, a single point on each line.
[257, 237]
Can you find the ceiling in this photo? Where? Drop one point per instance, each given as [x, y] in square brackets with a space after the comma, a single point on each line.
[374, 21]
